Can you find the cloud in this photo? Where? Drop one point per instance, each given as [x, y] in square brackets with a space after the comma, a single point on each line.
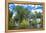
[39, 7]
[38, 10]
[30, 7]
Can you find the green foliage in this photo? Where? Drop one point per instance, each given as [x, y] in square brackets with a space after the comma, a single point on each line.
[21, 16]
[24, 24]
[38, 15]
[34, 22]
[21, 11]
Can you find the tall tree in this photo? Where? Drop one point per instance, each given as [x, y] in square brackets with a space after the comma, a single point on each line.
[21, 12]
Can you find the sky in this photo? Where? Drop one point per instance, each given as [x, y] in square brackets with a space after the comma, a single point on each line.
[30, 7]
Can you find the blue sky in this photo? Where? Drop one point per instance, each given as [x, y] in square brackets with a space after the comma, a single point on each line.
[30, 7]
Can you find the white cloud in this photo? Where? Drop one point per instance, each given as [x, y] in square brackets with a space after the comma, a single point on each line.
[38, 10]
[25, 5]
[33, 5]
[10, 5]
[10, 9]
[36, 6]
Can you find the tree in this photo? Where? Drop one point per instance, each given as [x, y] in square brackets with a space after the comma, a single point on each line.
[21, 12]
[21, 16]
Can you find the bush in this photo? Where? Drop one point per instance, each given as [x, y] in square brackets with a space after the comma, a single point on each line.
[34, 22]
[24, 24]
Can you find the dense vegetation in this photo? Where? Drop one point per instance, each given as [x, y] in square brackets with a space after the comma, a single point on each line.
[22, 18]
